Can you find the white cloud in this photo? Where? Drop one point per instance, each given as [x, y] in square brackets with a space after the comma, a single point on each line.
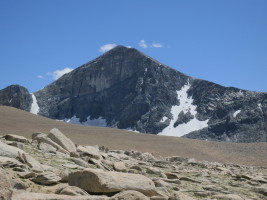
[107, 47]
[40, 76]
[58, 73]
[157, 45]
[144, 45]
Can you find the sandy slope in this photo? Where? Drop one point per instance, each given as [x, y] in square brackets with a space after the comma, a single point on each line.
[23, 123]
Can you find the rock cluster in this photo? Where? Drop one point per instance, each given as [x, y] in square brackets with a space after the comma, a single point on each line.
[50, 166]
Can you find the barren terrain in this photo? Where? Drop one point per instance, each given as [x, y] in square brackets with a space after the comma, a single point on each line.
[14, 121]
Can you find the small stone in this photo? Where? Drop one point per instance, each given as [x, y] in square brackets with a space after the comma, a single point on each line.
[227, 197]
[47, 148]
[172, 176]
[27, 174]
[129, 195]
[71, 190]
[46, 178]
[79, 162]
[64, 175]
[120, 166]
[74, 154]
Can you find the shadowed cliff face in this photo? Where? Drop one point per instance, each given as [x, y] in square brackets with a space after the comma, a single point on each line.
[16, 96]
[126, 89]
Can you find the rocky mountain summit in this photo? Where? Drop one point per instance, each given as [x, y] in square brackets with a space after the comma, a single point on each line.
[51, 167]
[126, 89]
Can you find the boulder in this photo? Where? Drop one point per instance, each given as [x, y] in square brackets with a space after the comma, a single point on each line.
[181, 196]
[64, 175]
[129, 195]
[14, 152]
[31, 162]
[120, 166]
[42, 138]
[47, 148]
[90, 151]
[98, 181]
[172, 175]
[18, 145]
[261, 190]
[22, 195]
[227, 197]
[34, 135]
[16, 138]
[46, 178]
[5, 186]
[59, 138]
[9, 151]
[71, 190]
[79, 162]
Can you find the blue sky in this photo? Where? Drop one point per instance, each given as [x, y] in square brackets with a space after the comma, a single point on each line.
[223, 41]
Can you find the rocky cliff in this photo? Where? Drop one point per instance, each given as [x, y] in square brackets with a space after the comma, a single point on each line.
[126, 89]
[16, 96]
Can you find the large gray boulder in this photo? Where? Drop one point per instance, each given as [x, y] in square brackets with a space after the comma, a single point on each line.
[14, 152]
[98, 181]
[5, 186]
[9, 151]
[58, 137]
[42, 138]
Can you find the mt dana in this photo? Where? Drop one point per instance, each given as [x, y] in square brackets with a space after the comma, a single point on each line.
[126, 89]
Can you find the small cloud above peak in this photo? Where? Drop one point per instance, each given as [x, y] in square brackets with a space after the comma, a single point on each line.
[58, 73]
[144, 45]
[107, 47]
[157, 45]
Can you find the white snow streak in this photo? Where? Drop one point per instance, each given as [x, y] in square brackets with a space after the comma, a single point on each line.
[34, 107]
[89, 122]
[259, 105]
[129, 129]
[186, 104]
[236, 113]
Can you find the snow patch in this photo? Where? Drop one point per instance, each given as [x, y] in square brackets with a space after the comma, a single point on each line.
[129, 129]
[164, 119]
[236, 113]
[34, 107]
[259, 105]
[186, 104]
[89, 122]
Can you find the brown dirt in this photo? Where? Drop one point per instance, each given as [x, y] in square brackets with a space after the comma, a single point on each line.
[19, 122]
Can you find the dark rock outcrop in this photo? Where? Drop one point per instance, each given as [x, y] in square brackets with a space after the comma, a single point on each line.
[16, 96]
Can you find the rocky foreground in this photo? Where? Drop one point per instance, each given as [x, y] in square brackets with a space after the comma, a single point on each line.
[50, 166]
